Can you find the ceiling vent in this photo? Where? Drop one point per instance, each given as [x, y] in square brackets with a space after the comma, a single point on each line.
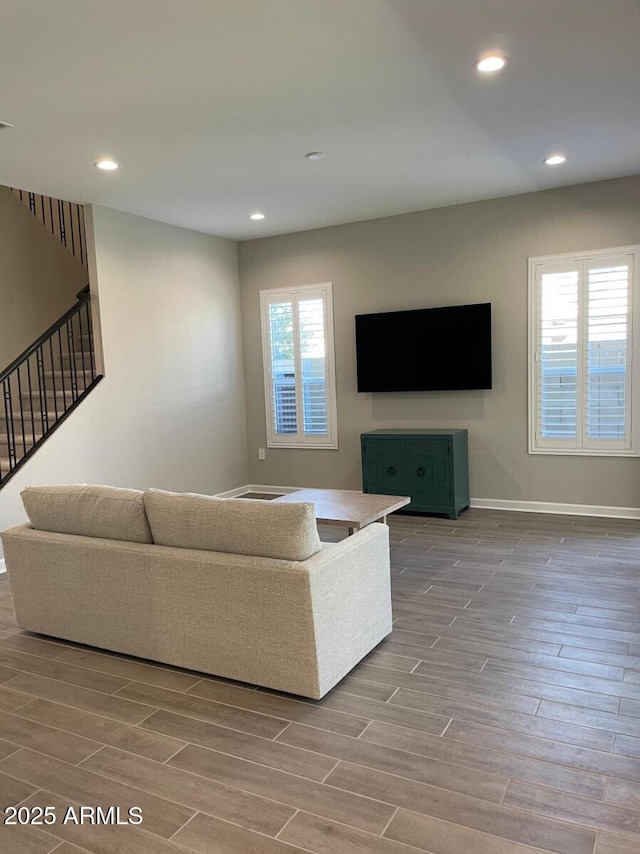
[5, 126]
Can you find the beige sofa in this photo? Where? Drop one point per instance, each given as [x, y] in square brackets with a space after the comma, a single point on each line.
[237, 588]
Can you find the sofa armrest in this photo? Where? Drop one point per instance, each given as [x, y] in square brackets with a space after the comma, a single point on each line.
[351, 601]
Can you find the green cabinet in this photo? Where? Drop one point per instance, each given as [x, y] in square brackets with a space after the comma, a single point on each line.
[431, 466]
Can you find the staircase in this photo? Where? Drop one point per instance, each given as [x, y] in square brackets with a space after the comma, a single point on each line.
[45, 384]
[65, 220]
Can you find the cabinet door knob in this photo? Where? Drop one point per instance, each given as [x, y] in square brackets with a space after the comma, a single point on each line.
[420, 472]
[391, 470]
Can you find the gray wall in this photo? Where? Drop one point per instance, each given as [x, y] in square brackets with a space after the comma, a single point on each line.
[170, 411]
[468, 253]
[39, 278]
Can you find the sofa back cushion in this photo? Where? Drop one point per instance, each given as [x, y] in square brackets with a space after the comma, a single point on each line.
[233, 525]
[90, 511]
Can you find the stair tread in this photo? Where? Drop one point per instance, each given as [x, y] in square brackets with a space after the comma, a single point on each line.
[67, 372]
[49, 392]
[37, 418]
[78, 355]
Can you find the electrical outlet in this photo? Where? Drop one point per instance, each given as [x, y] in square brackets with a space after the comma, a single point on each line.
[261, 454]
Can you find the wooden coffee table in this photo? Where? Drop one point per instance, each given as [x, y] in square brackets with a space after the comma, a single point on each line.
[348, 508]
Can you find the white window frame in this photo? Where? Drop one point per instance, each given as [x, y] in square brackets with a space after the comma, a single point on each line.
[594, 448]
[300, 440]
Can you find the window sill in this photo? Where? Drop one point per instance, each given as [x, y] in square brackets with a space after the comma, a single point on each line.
[305, 447]
[581, 452]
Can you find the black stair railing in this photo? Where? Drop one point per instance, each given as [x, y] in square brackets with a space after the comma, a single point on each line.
[65, 220]
[45, 384]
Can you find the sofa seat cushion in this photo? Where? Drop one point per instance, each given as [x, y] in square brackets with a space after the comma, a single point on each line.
[233, 525]
[106, 512]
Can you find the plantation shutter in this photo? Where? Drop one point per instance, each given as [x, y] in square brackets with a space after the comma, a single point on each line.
[298, 345]
[283, 367]
[313, 366]
[582, 358]
[608, 345]
[557, 357]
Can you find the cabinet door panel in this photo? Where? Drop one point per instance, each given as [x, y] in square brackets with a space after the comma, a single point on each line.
[428, 472]
[385, 467]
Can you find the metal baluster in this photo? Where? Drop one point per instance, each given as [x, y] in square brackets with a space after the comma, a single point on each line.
[79, 377]
[24, 436]
[62, 383]
[81, 232]
[6, 421]
[41, 389]
[48, 387]
[72, 364]
[73, 237]
[53, 381]
[11, 433]
[90, 341]
[72, 356]
[82, 346]
[63, 233]
[33, 423]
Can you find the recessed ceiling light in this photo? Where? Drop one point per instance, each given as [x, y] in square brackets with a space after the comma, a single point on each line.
[107, 165]
[256, 215]
[491, 63]
[554, 159]
[315, 155]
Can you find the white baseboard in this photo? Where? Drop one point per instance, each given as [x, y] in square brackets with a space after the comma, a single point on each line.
[257, 487]
[233, 493]
[2, 567]
[484, 503]
[560, 509]
[272, 490]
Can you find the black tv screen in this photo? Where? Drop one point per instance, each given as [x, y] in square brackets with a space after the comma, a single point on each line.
[427, 349]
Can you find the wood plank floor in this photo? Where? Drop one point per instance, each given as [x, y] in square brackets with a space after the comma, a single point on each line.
[502, 716]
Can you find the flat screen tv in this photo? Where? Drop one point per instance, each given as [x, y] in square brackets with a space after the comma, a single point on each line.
[427, 349]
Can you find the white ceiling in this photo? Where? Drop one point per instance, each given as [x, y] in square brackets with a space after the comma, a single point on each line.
[210, 105]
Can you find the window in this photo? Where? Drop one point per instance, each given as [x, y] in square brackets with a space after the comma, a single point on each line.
[583, 324]
[300, 388]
